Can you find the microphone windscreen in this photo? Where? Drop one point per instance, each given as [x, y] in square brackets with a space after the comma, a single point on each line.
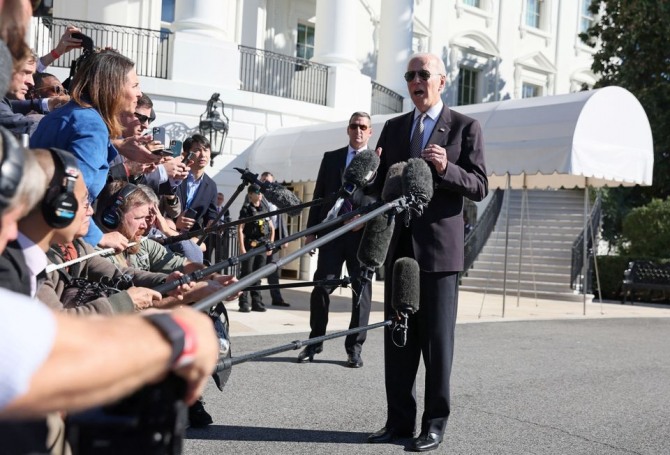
[393, 185]
[375, 241]
[280, 196]
[418, 180]
[405, 285]
[361, 169]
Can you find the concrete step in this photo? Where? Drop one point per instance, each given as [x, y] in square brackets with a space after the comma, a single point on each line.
[538, 253]
[513, 266]
[527, 275]
[511, 293]
[529, 286]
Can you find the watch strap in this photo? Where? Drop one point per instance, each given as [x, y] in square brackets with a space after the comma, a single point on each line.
[172, 331]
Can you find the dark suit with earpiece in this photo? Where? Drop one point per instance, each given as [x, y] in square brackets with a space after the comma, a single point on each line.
[435, 240]
[334, 254]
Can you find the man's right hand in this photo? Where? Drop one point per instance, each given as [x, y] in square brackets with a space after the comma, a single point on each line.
[114, 240]
[143, 298]
[198, 372]
[176, 169]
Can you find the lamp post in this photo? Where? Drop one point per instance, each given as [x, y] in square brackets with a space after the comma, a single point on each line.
[214, 125]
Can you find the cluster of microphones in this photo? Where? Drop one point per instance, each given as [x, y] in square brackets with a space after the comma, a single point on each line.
[157, 410]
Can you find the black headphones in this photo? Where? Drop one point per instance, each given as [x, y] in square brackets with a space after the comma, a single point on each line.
[11, 167]
[59, 206]
[112, 215]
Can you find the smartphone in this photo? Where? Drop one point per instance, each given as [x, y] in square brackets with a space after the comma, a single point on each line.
[189, 157]
[158, 133]
[86, 41]
[162, 152]
[190, 213]
[176, 147]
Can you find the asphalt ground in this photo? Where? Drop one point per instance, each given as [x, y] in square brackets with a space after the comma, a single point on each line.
[533, 384]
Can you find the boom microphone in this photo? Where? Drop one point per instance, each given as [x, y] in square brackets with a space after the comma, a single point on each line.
[276, 193]
[359, 172]
[393, 187]
[376, 240]
[417, 185]
[405, 294]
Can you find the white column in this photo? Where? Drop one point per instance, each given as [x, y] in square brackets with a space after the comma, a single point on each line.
[334, 46]
[253, 23]
[395, 44]
[204, 51]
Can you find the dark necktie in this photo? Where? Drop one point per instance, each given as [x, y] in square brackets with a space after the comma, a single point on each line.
[416, 144]
[347, 206]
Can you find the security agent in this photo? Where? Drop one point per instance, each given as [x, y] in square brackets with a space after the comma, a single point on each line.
[252, 235]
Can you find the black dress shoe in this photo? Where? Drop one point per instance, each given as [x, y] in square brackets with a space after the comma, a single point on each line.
[197, 416]
[426, 442]
[258, 307]
[281, 303]
[354, 361]
[308, 353]
[386, 435]
[245, 308]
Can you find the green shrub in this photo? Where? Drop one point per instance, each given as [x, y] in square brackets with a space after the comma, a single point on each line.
[610, 270]
[647, 230]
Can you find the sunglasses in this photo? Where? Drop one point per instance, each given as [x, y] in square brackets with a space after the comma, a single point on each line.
[51, 89]
[423, 74]
[353, 126]
[143, 118]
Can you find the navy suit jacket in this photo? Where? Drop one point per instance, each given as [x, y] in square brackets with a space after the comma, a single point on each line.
[328, 182]
[204, 200]
[437, 236]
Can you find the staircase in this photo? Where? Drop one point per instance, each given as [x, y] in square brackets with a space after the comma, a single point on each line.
[552, 220]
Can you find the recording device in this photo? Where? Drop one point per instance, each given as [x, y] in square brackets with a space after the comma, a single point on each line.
[417, 181]
[358, 174]
[162, 152]
[275, 192]
[176, 147]
[87, 50]
[393, 188]
[151, 421]
[158, 133]
[405, 296]
[190, 213]
[189, 157]
[86, 41]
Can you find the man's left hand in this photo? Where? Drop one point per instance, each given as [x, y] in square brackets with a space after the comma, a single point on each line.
[437, 155]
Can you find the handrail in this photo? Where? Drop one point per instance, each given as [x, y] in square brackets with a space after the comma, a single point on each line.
[149, 49]
[578, 250]
[476, 239]
[275, 74]
[385, 100]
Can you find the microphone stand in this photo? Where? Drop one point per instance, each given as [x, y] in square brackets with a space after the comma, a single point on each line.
[342, 282]
[216, 227]
[272, 246]
[225, 207]
[227, 363]
[401, 204]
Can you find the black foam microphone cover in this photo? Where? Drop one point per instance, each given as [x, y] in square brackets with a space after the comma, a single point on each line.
[393, 185]
[405, 285]
[417, 180]
[375, 241]
[360, 171]
[280, 196]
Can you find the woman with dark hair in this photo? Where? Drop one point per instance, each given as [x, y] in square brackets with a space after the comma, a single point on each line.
[105, 86]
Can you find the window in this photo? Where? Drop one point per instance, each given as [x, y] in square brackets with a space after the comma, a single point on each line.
[305, 42]
[474, 3]
[167, 11]
[533, 13]
[586, 17]
[467, 86]
[530, 90]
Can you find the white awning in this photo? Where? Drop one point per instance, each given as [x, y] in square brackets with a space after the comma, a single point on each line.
[597, 138]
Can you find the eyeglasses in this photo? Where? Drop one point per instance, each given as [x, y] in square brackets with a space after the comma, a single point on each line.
[143, 118]
[353, 126]
[423, 74]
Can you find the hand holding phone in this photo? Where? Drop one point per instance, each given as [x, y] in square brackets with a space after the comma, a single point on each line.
[158, 133]
[190, 213]
[162, 152]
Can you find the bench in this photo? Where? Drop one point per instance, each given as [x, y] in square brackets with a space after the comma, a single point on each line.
[645, 275]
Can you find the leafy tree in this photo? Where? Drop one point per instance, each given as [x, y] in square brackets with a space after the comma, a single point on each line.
[646, 230]
[635, 54]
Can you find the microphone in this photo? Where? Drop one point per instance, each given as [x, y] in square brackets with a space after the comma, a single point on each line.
[276, 193]
[405, 295]
[417, 186]
[393, 188]
[359, 172]
[378, 231]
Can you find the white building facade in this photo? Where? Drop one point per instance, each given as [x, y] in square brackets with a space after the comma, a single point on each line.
[263, 56]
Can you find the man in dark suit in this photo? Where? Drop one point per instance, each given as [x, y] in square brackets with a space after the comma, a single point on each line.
[452, 145]
[341, 250]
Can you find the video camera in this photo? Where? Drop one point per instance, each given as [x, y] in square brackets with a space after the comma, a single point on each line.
[87, 50]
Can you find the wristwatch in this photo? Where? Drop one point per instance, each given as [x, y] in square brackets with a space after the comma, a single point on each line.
[179, 335]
